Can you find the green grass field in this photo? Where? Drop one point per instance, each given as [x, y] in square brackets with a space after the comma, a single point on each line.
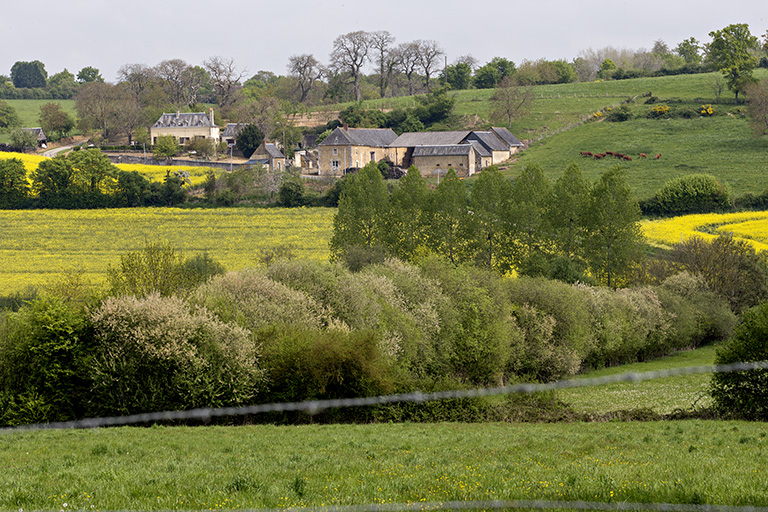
[29, 110]
[281, 467]
[663, 396]
[40, 245]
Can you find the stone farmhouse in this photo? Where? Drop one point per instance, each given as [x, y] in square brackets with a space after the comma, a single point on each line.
[349, 148]
[186, 126]
[467, 152]
[269, 155]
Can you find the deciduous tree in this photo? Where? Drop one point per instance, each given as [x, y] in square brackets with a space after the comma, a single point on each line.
[225, 78]
[249, 138]
[757, 106]
[361, 218]
[511, 100]
[306, 70]
[613, 231]
[89, 74]
[55, 121]
[349, 54]
[29, 74]
[430, 53]
[730, 52]
[381, 42]
[14, 188]
[8, 116]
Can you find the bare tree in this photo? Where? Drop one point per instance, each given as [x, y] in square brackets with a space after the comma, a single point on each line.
[469, 60]
[408, 59]
[511, 100]
[757, 106]
[306, 70]
[386, 60]
[171, 73]
[429, 58]
[137, 77]
[349, 54]
[225, 78]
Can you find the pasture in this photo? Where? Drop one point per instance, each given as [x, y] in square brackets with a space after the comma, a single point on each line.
[281, 467]
[41, 245]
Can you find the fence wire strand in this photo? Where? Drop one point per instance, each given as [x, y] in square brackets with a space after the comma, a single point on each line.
[315, 406]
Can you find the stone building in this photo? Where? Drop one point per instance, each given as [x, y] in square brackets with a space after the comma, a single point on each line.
[352, 148]
[186, 126]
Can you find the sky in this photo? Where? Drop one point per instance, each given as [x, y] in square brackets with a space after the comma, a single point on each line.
[261, 35]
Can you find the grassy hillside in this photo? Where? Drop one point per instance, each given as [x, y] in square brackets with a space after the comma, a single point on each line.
[29, 112]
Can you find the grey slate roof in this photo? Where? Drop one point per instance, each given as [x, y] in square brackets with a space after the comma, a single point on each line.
[38, 132]
[194, 119]
[445, 150]
[489, 140]
[232, 129]
[372, 137]
[481, 150]
[411, 139]
[507, 137]
[273, 151]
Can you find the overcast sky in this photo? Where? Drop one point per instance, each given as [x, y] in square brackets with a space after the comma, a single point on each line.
[262, 35]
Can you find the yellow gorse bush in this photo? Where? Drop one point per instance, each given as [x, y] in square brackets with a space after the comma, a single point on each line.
[749, 226]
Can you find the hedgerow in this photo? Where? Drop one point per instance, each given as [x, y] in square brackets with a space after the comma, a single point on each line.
[301, 330]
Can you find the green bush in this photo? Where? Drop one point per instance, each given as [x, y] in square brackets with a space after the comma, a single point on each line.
[621, 114]
[744, 394]
[291, 194]
[308, 364]
[254, 301]
[695, 193]
[41, 352]
[158, 353]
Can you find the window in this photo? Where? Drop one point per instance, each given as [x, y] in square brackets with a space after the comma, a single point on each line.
[335, 164]
[335, 151]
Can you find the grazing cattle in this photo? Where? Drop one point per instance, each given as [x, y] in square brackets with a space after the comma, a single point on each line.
[643, 155]
[586, 153]
[658, 156]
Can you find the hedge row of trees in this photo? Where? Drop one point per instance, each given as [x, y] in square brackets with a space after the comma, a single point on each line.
[530, 225]
[83, 179]
[173, 333]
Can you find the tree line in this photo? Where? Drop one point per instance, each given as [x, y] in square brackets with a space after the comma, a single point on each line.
[529, 225]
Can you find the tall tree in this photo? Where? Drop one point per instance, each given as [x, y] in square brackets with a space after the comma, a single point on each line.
[8, 115]
[98, 105]
[408, 60]
[448, 218]
[511, 100]
[89, 74]
[689, 49]
[171, 74]
[406, 225]
[530, 194]
[730, 52]
[225, 78]
[458, 76]
[757, 106]
[381, 42]
[29, 74]
[430, 54]
[137, 77]
[306, 70]
[566, 212]
[14, 188]
[491, 205]
[349, 54]
[55, 121]
[360, 220]
[614, 236]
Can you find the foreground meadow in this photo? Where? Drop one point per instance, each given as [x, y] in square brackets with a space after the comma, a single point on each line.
[178, 468]
[40, 245]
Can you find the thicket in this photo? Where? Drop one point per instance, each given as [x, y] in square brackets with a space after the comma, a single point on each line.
[297, 330]
[83, 179]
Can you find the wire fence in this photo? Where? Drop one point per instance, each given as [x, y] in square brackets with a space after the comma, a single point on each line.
[316, 406]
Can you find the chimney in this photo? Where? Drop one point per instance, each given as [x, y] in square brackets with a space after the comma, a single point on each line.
[210, 114]
[346, 127]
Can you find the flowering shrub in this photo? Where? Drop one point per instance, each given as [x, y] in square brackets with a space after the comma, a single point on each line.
[707, 110]
[659, 111]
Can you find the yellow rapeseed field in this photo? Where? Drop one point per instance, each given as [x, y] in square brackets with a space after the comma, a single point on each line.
[151, 172]
[749, 226]
[38, 246]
